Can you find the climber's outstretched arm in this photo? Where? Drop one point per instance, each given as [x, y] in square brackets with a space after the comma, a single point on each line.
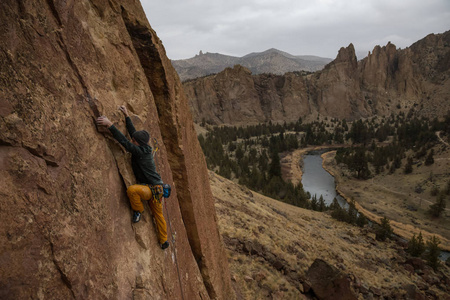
[130, 147]
[130, 127]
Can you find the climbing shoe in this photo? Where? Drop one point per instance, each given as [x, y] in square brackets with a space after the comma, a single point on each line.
[165, 245]
[136, 217]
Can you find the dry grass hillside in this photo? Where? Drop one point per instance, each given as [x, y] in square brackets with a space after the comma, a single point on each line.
[271, 245]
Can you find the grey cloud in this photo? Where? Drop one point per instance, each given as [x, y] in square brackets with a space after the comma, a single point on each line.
[299, 27]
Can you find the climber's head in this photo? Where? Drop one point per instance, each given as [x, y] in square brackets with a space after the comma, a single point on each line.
[141, 137]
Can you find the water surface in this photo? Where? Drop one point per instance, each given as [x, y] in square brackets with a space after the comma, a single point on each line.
[317, 181]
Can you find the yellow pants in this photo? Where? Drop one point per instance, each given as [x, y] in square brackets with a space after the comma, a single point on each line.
[136, 193]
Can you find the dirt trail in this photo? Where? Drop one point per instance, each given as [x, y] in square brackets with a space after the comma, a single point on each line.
[438, 134]
[419, 199]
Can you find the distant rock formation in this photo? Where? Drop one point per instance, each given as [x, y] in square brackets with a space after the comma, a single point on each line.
[270, 61]
[388, 80]
[65, 217]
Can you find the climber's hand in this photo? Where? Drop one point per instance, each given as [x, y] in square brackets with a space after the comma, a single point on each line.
[103, 120]
[123, 109]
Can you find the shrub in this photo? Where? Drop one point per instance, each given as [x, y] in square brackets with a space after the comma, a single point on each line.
[434, 191]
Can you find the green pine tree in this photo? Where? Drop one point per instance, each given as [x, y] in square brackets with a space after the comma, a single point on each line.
[314, 203]
[361, 220]
[416, 246]
[335, 204]
[433, 251]
[352, 213]
[436, 209]
[409, 166]
[322, 206]
[430, 159]
[384, 231]
[275, 166]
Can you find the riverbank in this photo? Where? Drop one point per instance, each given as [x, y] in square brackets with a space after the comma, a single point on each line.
[375, 199]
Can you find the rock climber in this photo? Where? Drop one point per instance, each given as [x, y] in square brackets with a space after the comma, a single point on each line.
[149, 184]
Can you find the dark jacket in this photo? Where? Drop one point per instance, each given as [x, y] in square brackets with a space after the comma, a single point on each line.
[141, 159]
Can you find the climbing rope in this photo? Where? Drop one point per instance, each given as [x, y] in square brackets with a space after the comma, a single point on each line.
[155, 147]
[154, 150]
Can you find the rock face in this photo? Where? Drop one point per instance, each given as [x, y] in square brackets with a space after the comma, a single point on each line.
[66, 228]
[388, 80]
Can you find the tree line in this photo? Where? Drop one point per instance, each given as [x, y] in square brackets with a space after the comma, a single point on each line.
[251, 154]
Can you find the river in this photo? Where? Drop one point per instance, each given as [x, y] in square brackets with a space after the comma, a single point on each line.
[318, 182]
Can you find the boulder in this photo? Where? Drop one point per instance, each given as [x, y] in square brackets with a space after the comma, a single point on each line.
[413, 293]
[417, 263]
[329, 283]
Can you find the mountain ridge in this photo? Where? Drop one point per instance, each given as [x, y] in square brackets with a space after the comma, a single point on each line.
[269, 61]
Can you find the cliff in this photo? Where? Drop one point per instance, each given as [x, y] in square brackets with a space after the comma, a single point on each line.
[388, 80]
[66, 228]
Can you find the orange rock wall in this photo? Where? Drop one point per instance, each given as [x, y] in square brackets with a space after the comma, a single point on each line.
[65, 217]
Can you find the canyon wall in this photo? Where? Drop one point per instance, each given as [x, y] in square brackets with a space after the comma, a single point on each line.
[66, 230]
[388, 80]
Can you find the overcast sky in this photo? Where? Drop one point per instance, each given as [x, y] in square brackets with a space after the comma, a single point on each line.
[299, 27]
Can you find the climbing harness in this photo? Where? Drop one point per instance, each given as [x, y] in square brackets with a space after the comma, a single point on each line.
[157, 192]
[155, 145]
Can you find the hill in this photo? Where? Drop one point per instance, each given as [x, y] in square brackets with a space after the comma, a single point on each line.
[272, 247]
[269, 61]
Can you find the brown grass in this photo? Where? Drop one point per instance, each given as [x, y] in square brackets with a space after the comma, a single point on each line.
[296, 237]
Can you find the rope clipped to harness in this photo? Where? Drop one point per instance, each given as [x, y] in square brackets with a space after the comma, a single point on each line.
[166, 193]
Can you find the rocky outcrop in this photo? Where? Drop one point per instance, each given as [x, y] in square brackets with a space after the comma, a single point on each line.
[388, 80]
[65, 217]
[235, 96]
[336, 89]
